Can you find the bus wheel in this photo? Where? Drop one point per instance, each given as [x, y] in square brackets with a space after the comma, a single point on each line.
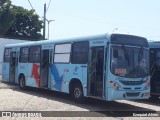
[77, 93]
[22, 82]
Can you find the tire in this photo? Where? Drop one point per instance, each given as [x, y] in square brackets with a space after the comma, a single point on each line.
[77, 93]
[22, 82]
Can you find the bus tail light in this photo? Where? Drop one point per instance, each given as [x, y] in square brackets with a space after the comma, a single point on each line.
[115, 85]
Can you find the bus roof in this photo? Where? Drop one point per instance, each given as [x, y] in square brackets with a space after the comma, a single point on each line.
[33, 43]
[154, 44]
[42, 42]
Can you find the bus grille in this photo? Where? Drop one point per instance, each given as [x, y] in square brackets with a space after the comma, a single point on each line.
[131, 82]
[132, 94]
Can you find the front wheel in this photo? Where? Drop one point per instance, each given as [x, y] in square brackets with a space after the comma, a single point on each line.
[77, 93]
[22, 82]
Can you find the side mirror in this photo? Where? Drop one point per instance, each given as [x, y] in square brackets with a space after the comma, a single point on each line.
[115, 53]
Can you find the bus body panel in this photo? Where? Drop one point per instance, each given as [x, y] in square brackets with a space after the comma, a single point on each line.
[121, 95]
[130, 88]
[23, 69]
[33, 77]
[62, 74]
[5, 71]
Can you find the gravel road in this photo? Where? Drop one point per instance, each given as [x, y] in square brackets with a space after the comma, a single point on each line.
[31, 99]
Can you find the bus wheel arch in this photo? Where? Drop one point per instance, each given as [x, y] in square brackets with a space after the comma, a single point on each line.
[21, 79]
[76, 90]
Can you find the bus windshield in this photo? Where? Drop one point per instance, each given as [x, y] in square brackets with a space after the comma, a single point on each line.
[130, 62]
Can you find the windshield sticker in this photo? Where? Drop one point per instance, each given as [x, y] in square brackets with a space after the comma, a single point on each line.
[120, 71]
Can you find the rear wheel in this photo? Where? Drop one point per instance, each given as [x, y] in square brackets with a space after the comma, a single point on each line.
[77, 93]
[22, 82]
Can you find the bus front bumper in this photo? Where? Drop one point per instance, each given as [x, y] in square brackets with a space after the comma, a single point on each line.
[127, 95]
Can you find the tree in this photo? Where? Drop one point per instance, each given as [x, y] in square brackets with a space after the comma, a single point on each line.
[27, 25]
[6, 16]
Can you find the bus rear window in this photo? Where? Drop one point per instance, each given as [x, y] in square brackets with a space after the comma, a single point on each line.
[7, 54]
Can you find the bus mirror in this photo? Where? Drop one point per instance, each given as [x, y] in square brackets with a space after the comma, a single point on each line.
[115, 53]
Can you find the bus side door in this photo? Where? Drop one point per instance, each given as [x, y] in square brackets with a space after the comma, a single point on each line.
[44, 68]
[12, 69]
[96, 71]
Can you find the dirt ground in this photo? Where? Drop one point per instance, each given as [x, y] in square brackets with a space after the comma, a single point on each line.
[60, 104]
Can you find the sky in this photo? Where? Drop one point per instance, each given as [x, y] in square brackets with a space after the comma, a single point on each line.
[74, 18]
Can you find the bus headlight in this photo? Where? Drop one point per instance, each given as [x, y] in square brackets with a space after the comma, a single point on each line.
[147, 82]
[146, 87]
[115, 85]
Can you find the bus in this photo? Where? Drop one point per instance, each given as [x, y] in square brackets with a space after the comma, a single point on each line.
[155, 68]
[107, 66]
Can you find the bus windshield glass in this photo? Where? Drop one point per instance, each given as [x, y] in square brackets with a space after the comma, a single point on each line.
[130, 62]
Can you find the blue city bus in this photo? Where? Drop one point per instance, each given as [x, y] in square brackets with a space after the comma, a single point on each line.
[155, 68]
[108, 66]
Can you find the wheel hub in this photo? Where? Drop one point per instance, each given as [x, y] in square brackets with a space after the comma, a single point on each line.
[77, 93]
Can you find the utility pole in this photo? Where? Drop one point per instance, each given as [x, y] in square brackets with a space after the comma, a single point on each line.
[44, 22]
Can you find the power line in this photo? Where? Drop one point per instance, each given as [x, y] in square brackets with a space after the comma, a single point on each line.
[48, 5]
[32, 7]
[30, 4]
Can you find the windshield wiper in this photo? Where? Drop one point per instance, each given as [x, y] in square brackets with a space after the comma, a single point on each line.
[140, 55]
[125, 54]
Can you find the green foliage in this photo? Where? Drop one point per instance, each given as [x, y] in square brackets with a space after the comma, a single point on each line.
[7, 18]
[5, 4]
[27, 25]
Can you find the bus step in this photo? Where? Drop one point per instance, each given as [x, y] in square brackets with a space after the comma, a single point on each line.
[98, 92]
[99, 85]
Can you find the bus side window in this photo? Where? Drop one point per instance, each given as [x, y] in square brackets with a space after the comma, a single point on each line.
[34, 54]
[23, 55]
[80, 52]
[62, 53]
[7, 55]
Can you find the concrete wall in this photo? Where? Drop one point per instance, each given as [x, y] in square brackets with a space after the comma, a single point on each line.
[3, 42]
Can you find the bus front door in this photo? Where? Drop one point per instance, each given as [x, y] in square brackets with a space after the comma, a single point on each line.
[44, 69]
[96, 74]
[12, 70]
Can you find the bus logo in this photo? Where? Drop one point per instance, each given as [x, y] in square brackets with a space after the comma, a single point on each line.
[75, 71]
